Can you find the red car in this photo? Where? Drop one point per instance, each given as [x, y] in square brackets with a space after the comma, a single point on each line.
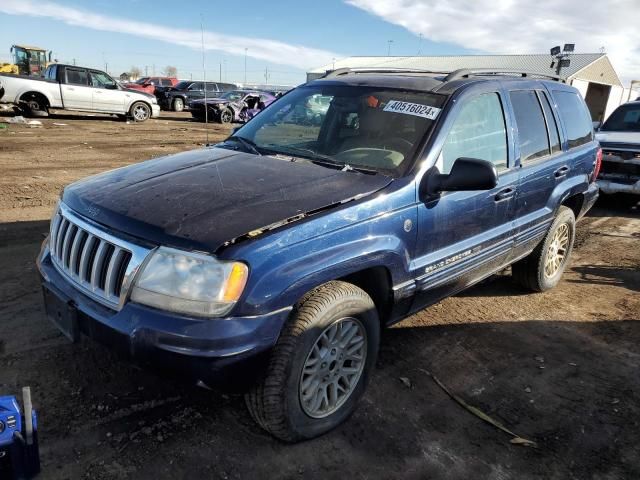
[149, 84]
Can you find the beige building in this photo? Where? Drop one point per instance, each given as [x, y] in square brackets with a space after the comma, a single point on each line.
[591, 73]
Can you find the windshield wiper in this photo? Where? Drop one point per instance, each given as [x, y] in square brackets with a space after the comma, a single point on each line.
[320, 159]
[246, 143]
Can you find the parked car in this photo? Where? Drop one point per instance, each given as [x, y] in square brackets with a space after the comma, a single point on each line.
[619, 137]
[180, 96]
[149, 84]
[271, 261]
[234, 106]
[81, 89]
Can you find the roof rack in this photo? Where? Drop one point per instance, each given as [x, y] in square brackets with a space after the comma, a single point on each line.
[450, 76]
[346, 70]
[468, 72]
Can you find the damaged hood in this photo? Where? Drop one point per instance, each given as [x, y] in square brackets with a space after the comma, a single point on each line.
[204, 199]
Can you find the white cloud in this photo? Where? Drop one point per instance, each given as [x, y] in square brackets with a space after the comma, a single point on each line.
[522, 26]
[260, 48]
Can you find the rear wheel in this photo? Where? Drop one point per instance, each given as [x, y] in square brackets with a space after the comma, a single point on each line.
[178, 105]
[35, 105]
[140, 111]
[321, 364]
[543, 268]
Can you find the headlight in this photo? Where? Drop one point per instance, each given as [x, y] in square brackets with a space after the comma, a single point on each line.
[154, 101]
[191, 283]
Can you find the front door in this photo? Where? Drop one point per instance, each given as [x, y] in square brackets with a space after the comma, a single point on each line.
[465, 236]
[106, 95]
[76, 92]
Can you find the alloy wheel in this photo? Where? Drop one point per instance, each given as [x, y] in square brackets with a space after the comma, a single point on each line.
[333, 367]
[557, 251]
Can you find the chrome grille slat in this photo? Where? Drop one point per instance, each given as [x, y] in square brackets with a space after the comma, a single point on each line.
[75, 255]
[84, 271]
[96, 262]
[112, 271]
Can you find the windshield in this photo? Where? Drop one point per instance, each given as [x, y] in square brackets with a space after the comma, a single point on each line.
[142, 80]
[625, 118]
[232, 96]
[182, 85]
[371, 128]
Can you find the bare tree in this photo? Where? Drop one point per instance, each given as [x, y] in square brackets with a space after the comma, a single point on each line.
[134, 73]
[170, 71]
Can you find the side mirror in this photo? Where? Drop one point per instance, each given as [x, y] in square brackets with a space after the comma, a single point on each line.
[596, 125]
[111, 86]
[466, 174]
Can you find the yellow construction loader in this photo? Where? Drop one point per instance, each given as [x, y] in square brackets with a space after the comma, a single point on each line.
[30, 61]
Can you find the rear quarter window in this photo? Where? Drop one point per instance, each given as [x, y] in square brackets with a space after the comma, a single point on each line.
[575, 117]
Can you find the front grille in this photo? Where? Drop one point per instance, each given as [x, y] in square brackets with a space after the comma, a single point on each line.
[92, 260]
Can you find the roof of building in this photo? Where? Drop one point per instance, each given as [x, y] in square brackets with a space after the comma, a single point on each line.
[600, 70]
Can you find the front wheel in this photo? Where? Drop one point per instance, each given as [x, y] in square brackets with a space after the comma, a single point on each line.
[543, 268]
[140, 111]
[226, 116]
[321, 364]
[178, 105]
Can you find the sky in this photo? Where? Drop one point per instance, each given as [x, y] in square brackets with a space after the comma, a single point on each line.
[282, 40]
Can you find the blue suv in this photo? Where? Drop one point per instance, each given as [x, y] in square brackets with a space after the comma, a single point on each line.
[269, 262]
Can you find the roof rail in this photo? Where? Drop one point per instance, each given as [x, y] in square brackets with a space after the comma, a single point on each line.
[468, 72]
[346, 70]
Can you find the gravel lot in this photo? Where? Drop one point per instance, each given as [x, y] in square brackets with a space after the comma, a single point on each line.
[560, 368]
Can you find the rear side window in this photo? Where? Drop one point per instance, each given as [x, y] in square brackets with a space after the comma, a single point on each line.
[51, 72]
[532, 129]
[576, 118]
[165, 82]
[77, 76]
[478, 132]
[552, 126]
[212, 87]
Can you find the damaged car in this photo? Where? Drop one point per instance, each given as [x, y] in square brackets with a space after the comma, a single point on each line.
[237, 106]
[619, 137]
[269, 263]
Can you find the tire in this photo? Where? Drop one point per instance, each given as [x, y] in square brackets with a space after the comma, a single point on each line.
[531, 272]
[35, 106]
[140, 112]
[280, 403]
[226, 116]
[178, 105]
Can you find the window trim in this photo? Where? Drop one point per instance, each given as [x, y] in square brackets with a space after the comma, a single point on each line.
[539, 94]
[565, 130]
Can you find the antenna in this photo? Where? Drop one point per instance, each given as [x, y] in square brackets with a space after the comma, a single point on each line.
[204, 83]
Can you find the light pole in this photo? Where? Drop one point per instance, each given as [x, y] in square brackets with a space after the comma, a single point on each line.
[245, 65]
[389, 42]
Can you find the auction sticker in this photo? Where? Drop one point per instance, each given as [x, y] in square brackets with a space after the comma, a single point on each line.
[408, 108]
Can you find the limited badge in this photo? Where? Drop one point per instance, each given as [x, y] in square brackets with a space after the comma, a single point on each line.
[408, 108]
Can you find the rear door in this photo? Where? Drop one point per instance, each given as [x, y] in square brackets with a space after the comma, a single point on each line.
[75, 89]
[542, 164]
[465, 236]
[195, 91]
[106, 96]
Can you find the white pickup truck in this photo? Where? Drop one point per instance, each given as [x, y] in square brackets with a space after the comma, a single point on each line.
[81, 89]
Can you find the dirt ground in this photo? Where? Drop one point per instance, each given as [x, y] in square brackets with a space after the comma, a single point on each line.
[560, 368]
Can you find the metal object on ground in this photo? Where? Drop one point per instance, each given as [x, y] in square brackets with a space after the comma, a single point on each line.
[19, 452]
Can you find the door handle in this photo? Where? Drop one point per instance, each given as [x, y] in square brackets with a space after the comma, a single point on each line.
[98, 91]
[505, 194]
[561, 172]
[71, 89]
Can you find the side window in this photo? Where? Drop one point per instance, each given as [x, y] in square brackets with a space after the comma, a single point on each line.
[77, 76]
[552, 126]
[212, 87]
[165, 82]
[532, 129]
[101, 80]
[575, 117]
[196, 86]
[478, 132]
[51, 72]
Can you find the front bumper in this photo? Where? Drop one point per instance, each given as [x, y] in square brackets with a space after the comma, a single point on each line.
[590, 197]
[224, 353]
[155, 111]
